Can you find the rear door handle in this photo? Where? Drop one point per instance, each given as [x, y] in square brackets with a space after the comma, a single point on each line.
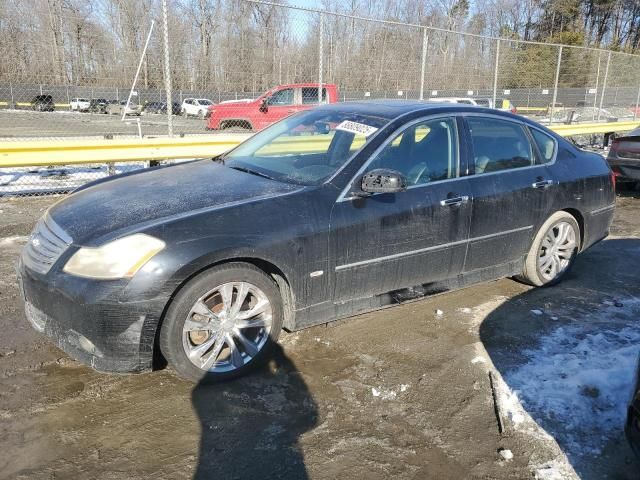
[542, 184]
[291, 110]
[452, 202]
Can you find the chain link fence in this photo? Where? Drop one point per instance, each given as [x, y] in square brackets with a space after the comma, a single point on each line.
[244, 64]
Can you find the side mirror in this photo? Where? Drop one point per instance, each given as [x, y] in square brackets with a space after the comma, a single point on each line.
[382, 180]
[264, 106]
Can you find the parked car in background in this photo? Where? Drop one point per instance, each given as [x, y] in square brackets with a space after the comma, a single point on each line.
[461, 100]
[118, 108]
[79, 105]
[98, 105]
[43, 103]
[337, 210]
[503, 104]
[153, 107]
[624, 157]
[632, 426]
[161, 107]
[197, 107]
[269, 107]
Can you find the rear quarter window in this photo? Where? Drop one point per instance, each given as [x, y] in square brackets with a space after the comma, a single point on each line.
[546, 145]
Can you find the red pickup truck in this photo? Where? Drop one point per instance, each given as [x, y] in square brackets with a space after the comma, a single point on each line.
[274, 105]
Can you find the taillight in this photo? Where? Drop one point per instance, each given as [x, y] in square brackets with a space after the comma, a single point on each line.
[614, 145]
[613, 174]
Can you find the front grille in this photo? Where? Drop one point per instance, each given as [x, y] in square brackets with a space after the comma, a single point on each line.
[45, 245]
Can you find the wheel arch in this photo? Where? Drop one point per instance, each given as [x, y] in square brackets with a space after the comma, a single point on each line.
[269, 268]
[575, 213]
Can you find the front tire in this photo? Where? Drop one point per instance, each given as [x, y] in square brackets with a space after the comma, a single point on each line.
[553, 250]
[222, 323]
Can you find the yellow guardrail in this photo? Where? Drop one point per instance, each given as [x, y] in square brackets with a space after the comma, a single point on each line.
[28, 104]
[69, 152]
[531, 109]
[593, 128]
[44, 153]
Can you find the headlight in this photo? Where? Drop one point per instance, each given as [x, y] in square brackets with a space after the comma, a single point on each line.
[118, 259]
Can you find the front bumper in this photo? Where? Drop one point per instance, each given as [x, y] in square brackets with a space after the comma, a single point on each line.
[93, 321]
[632, 426]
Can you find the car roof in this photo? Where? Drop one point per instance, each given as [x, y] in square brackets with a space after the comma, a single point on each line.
[392, 109]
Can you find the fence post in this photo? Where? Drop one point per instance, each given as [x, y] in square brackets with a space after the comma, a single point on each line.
[320, 53]
[595, 96]
[555, 85]
[425, 45]
[604, 83]
[12, 99]
[635, 112]
[167, 69]
[495, 74]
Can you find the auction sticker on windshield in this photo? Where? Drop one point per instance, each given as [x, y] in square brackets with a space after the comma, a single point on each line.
[355, 127]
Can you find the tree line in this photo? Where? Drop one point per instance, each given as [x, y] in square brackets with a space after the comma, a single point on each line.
[237, 45]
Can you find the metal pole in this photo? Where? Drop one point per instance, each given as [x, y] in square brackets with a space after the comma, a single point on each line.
[635, 112]
[12, 100]
[320, 52]
[595, 95]
[604, 83]
[495, 74]
[555, 85]
[167, 69]
[425, 45]
[135, 79]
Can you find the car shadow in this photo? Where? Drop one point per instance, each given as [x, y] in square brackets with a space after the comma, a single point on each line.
[569, 353]
[250, 427]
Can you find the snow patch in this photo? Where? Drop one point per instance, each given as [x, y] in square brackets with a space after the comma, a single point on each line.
[577, 381]
[388, 393]
[11, 241]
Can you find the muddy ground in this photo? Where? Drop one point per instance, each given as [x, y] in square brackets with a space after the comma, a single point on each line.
[400, 393]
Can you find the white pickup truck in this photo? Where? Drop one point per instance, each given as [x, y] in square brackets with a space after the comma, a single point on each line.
[79, 105]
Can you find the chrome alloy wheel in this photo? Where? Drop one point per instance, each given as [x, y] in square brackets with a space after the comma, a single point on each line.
[227, 327]
[556, 250]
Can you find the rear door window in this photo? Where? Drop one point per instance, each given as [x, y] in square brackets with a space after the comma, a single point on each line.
[499, 145]
[310, 95]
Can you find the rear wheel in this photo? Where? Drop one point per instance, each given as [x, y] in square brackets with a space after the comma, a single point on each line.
[553, 250]
[222, 323]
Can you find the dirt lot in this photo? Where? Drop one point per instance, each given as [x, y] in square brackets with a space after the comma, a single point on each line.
[400, 393]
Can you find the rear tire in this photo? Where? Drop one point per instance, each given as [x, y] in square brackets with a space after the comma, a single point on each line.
[207, 337]
[553, 251]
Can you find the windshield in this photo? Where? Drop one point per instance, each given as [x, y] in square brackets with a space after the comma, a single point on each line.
[307, 148]
[204, 101]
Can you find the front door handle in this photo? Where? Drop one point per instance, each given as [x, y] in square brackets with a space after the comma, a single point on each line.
[291, 110]
[542, 184]
[454, 201]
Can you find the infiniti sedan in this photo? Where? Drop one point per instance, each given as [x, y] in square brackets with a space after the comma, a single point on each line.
[330, 212]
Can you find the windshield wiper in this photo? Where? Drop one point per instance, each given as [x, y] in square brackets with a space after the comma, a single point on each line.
[252, 172]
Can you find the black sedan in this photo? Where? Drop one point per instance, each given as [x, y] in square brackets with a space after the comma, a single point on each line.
[624, 157]
[632, 427]
[161, 107]
[330, 212]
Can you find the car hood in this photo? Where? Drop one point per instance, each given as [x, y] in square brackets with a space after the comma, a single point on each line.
[125, 203]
